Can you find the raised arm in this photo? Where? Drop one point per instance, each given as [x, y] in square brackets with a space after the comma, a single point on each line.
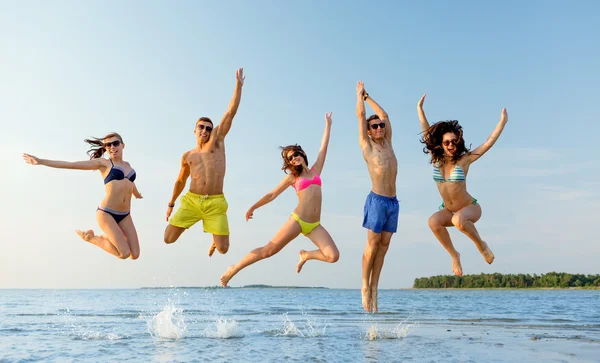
[269, 197]
[318, 165]
[225, 124]
[363, 136]
[383, 116]
[422, 118]
[184, 173]
[491, 140]
[93, 164]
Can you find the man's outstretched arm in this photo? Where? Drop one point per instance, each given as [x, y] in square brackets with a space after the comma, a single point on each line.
[225, 124]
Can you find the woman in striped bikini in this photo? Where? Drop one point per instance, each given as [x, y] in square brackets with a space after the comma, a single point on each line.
[449, 156]
[304, 219]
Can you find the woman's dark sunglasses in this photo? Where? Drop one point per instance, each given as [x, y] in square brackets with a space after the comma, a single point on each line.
[202, 127]
[115, 143]
[448, 142]
[297, 153]
[375, 126]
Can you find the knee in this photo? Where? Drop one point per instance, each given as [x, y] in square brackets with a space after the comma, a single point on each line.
[123, 255]
[375, 241]
[458, 222]
[434, 224]
[223, 248]
[135, 255]
[333, 257]
[169, 239]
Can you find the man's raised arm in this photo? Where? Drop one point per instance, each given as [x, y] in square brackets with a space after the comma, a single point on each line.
[225, 124]
[363, 136]
[383, 116]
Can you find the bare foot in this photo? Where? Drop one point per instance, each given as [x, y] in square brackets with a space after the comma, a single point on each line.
[366, 299]
[303, 255]
[456, 266]
[374, 299]
[487, 254]
[212, 249]
[227, 276]
[85, 235]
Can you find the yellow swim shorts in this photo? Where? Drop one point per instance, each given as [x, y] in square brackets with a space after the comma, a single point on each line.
[211, 209]
[306, 227]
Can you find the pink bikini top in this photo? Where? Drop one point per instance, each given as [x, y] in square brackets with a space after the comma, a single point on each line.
[303, 183]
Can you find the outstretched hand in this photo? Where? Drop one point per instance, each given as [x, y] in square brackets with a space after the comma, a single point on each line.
[239, 76]
[30, 159]
[360, 88]
[420, 104]
[504, 116]
[328, 118]
[249, 214]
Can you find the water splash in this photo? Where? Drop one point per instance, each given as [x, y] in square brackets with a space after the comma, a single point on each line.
[398, 332]
[224, 329]
[168, 323]
[311, 328]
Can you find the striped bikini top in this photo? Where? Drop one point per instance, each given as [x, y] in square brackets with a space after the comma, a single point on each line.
[457, 175]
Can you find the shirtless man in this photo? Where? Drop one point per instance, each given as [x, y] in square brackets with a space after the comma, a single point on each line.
[206, 165]
[381, 208]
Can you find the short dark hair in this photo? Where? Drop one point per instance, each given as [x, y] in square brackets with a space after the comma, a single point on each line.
[373, 117]
[205, 119]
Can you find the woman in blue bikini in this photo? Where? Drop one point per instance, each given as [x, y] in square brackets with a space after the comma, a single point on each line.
[113, 216]
[304, 219]
[451, 161]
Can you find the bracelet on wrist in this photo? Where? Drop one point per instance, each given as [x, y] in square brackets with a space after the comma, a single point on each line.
[365, 96]
[171, 205]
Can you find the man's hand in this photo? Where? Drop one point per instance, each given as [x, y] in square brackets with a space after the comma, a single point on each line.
[169, 211]
[360, 89]
[249, 214]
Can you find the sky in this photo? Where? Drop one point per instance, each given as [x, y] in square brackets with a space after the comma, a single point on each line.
[150, 69]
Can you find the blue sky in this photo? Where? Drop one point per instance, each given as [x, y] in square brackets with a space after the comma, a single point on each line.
[148, 70]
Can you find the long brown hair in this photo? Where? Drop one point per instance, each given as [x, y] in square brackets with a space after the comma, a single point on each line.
[295, 170]
[97, 143]
[433, 137]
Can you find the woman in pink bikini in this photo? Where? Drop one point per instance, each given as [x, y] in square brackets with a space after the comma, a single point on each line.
[305, 218]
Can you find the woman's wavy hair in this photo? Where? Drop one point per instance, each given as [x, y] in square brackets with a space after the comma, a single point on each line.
[97, 145]
[295, 170]
[433, 137]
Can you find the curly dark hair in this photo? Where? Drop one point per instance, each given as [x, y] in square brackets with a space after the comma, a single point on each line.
[433, 136]
[97, 144]
[287, 167]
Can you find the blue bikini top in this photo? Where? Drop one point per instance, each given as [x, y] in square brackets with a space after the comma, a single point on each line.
[117, 173]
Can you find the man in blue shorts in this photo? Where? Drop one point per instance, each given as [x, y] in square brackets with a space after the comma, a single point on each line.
[381, 207]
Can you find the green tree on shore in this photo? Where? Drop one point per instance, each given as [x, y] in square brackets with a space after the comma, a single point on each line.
[496, 280]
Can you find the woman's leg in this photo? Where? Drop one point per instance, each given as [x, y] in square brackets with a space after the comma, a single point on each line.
[464, 220]
[114, 242]
[130, 232]
[438, 223]
[290, 230]
[327, 251]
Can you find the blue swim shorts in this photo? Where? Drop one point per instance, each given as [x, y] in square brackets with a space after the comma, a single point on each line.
[381, 213]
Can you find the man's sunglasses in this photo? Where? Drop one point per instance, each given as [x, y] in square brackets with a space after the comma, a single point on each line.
[115, 143]
[296, 154]
[448, 142]
[208, 128]
[376, 126]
